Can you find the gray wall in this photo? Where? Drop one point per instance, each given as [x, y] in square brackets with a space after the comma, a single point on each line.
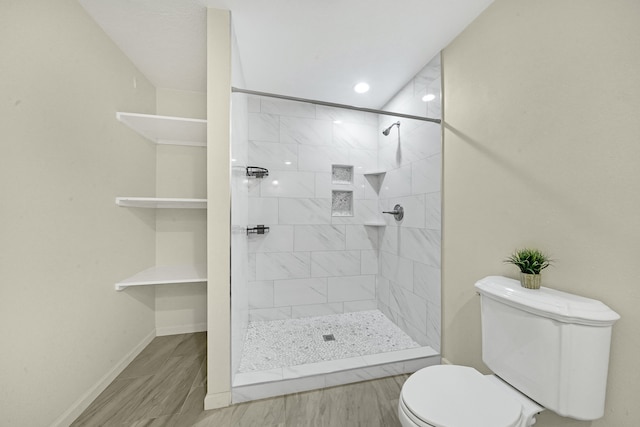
[541, 148]
[64, 241]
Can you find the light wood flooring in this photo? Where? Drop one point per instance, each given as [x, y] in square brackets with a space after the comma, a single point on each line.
[165, 385]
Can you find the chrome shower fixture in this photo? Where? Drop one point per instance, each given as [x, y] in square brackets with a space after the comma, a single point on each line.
[387, 130]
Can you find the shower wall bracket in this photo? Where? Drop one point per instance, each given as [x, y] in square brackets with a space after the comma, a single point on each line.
[257, 172]
[258, 229]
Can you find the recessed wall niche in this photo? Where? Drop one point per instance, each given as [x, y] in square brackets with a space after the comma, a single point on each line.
[341, 203]
[341, 174]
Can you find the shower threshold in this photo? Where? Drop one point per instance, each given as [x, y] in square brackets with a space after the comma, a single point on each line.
[294, 355]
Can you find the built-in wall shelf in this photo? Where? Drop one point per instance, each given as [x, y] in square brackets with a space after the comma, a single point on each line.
[164, 275]
[375, 224]
[167, 129]
[375, 173]
[161, 203]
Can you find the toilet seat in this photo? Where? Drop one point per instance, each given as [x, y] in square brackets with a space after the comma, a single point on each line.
[457, 396]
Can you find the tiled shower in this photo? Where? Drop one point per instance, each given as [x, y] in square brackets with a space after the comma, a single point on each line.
[329, 249]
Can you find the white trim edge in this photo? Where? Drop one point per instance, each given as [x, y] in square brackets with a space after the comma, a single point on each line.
[88, 397]
[181, 329]
[217, 400]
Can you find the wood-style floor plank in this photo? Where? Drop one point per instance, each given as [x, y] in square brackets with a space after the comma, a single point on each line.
[165, 386]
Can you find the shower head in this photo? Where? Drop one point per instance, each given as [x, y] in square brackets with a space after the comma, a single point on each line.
[387, 130]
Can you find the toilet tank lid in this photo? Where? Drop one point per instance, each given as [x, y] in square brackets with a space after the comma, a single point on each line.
[557, 305]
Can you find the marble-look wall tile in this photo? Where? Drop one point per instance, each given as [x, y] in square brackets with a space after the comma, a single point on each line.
[319, 158]
[294, 130]
[263, 211]
[426, 174]
[382, 290]
[433, 325]
[288, 184]
[415, 333]
[323, 185]
[422, 245]
[389, 238]
[299, 291]
[363, 160]
[285, 107]
[266, 314]
[273, 156]
[283, 265]
[363, 211]
[264, 127]
[354, 135]
[251, 267]
[253, 104]
[426, 282]
[253, 187]
[433, 209]
[261, 294]
[352, 288]
[335, 263]
[312, 310]
[361, 237]
[397, 183]
[391, 156]
[340, 115]
[304, 211]
[369, 262]
[397, 269]
[410, 307]
[278, 239]
[422, 142]
[352, 306]
[319, 237]
[428, 74]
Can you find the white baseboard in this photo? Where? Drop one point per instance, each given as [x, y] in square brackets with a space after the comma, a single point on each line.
[181, 329]
[85, 400]
[217, 400]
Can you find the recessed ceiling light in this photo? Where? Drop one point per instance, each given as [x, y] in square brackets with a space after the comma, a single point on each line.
[287, 163]
[361, 87]
[428, 97]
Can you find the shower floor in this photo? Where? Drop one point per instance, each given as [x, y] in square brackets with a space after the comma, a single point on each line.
[283, 343]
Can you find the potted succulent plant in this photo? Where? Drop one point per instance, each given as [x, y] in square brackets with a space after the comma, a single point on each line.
[530, 262]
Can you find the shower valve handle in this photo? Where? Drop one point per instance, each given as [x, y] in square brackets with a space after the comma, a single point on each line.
[397, 212]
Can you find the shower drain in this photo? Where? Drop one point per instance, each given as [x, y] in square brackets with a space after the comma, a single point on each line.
[329, 337]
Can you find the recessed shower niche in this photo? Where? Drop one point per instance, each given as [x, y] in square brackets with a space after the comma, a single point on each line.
[341, 174]
[341, 203]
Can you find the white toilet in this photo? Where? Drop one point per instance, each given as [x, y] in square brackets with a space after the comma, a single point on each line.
[548, 350]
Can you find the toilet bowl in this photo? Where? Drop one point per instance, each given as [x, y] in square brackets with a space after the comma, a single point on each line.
[460, 396]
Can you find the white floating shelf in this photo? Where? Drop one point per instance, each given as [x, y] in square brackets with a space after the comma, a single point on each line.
[375, 172]
[164, 275]
[167, 129]
[161, 203]
[375, 224]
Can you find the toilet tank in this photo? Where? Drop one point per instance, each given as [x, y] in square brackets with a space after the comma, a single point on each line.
[550, 345]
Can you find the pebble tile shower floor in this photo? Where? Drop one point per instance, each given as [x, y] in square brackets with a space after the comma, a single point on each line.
[292, 342]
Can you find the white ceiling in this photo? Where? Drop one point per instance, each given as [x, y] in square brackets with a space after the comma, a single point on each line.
[317, 49]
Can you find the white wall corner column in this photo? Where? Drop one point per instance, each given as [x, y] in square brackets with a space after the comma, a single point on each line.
[218, 214]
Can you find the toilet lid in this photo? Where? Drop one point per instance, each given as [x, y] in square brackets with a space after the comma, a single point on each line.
[458, 396]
